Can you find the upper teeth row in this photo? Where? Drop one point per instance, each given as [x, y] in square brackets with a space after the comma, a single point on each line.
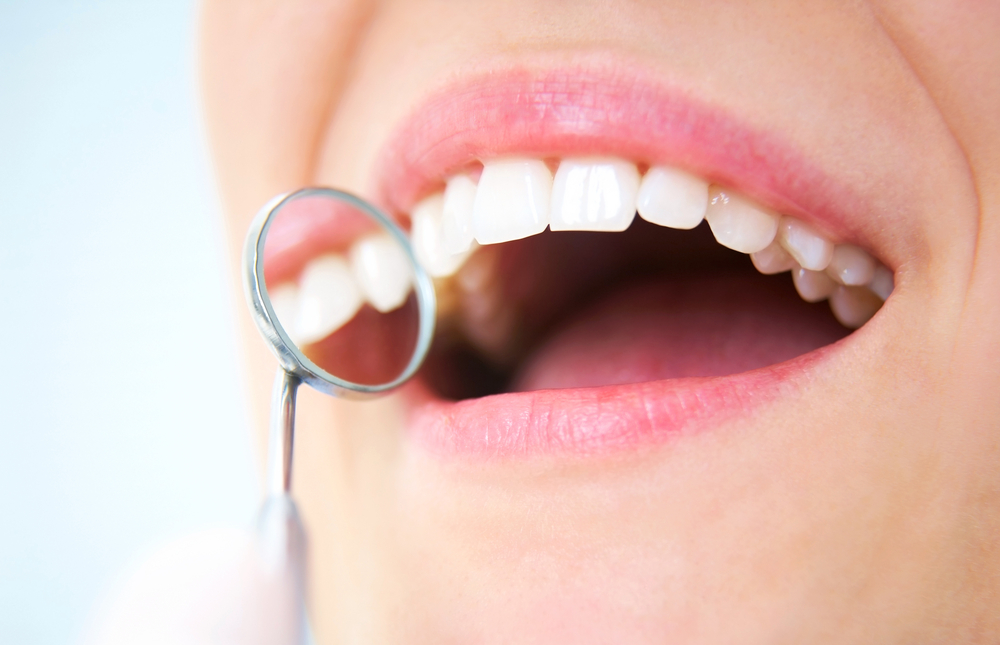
[516, 198]
[519, 197]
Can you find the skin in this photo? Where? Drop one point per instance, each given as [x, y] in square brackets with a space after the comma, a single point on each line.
[864, 509]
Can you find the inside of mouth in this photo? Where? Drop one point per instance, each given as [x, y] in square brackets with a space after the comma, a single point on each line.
[583, 309]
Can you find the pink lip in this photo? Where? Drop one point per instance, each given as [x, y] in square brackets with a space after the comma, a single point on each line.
[593, 421]
[586, 111]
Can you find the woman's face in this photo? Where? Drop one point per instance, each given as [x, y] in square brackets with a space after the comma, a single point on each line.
[678, 449]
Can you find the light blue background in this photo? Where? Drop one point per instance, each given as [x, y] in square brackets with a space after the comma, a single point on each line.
[122, 418]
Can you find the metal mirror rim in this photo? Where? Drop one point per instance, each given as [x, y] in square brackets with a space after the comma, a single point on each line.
[289, 355]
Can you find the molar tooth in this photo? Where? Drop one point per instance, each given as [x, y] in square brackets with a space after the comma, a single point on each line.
[426, 235]
[382, 271]
[813, 286]
[512, 200]
[851, 265]
[594, 195]
[285, 302]
[672, 198]
[773, 259]
[456, 223]
[854, 306]
[811, 250]
[738, 223]
[328, 298]
[882, 282]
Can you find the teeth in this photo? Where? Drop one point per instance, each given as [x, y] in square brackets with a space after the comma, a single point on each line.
[854, 306]
[809, 249]
[773, 259]
[456, 223]
[672, 198]
[738, 223]
[882, 282]
[813, 286]
[285, 302]
[512, 200]
[851, 266]
[519, 197]
[382, 271]
[594, 195]
[427, 239]
[328, 298]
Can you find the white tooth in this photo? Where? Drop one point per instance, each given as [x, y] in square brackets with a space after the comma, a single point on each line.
[851, 265]
[773, 259]
[456, 223]
[809, 248]
[285, 302]
[328, 298]
[854, 306]
[738, 223]
[813, 286]
[426, 236]
[672, 198]
[382, 271]
[512, 200]
[594, 195]
[882, 282]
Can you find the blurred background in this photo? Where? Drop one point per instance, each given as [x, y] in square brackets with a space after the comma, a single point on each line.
[123, 414]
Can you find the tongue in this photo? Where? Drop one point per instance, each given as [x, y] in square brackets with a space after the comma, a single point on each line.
[674, 328]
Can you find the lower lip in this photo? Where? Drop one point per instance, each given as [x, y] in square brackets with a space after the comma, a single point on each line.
[598, 420]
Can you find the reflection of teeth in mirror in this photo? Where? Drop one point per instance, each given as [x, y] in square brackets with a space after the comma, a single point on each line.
[594, 195]
[382, 270]
[328, 298]
[854, 306]
[772, 259]
[738, 223]
[428, 241]
[810, 250]
[517, 197]
[285, 302]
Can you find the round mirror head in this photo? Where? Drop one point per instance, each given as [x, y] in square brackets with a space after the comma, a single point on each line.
[336, 291]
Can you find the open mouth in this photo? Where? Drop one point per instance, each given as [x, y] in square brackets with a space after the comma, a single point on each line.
[604, 281]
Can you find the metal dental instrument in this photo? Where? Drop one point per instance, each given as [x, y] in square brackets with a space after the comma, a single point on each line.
[336, 292]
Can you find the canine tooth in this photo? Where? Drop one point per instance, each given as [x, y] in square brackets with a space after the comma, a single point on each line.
[738, 223]
[773, 259]
[851, 265]
[285, 302]
[672, 198]
[427, 239]
[382, 271]
[512, 200]
[811, 250]
[456, 223]
[594, 195]
[854, 306]
[328, 298]
[882, 282]
[813, 286]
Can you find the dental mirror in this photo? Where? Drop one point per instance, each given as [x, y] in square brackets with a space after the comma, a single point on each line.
[335, 290]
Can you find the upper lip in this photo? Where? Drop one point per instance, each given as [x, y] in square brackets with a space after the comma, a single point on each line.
[623, 112]
[628, 113]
